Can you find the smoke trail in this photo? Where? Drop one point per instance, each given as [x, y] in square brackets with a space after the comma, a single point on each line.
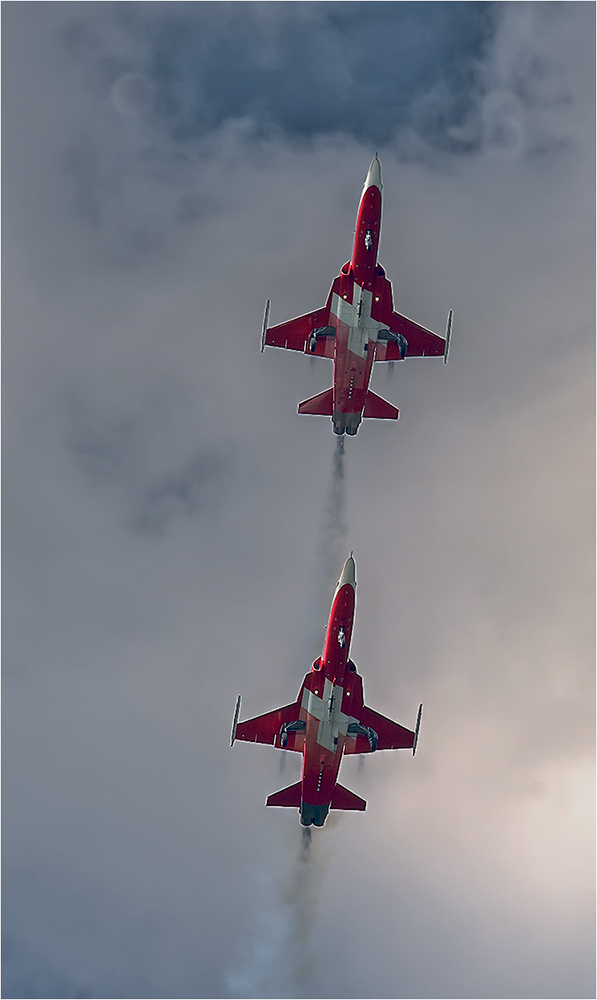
[279, 959]
[334, 528]
[333, 546]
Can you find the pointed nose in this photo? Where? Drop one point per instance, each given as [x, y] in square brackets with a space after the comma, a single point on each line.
[348, 574]
[373, 178]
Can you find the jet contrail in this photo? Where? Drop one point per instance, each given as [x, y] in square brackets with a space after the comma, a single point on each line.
[332, 544]
[334, 527]
[279, 959]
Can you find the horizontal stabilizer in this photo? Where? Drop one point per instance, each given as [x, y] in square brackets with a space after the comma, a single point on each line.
[320, 405]
[345, 799]
[290, 796]
[377, 407]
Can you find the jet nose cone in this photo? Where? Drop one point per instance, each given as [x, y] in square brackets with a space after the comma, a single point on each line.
[348, 573]
[373, 178]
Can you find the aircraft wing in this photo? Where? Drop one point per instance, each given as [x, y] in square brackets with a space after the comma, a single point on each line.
[419, 341]
[391, 347]
[294, 335]
[266, 728]
[390, 736]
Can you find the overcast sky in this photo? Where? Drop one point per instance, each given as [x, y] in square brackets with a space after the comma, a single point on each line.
[167, 515]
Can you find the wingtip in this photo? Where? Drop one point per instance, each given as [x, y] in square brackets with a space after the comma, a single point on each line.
[448, 335]
[417, 727]
[265, 322]
[235, 721]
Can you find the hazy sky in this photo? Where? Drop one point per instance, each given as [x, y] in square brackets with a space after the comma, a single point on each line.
[168, 166]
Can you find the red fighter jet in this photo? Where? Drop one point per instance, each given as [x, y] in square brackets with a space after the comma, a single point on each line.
[328, 719]
[357, 326]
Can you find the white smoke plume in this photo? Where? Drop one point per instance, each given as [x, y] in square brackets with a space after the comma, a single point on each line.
[334, 525]
[279, 956]
[333, 545]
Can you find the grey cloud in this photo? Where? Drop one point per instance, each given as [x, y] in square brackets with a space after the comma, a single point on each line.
[280, 958]
[328, 69]
[433, 82]
[139, 860]
[28, 974]
[111, 451]
[82, 166]
[304, 69]
[196, 487]
[102, 454]
[131, 94]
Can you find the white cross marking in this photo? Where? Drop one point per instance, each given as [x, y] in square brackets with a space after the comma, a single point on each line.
[331, 723]
[361, 328]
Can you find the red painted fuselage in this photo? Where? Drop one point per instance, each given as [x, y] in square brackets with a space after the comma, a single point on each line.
[326, 703]
[355, 340]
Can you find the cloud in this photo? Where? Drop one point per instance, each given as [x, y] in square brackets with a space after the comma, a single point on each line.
[165, 506]
[131, 94]
[279, 959]
[309, 70]
[119, 451]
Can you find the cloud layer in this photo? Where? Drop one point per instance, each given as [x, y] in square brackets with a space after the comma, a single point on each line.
[166, 538]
